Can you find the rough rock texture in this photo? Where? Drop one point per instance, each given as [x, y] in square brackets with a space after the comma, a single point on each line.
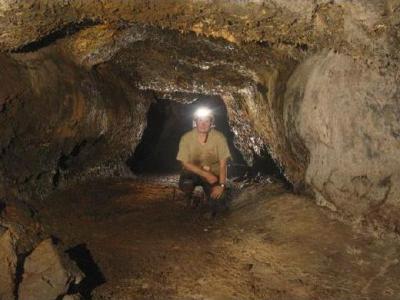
[72, 297]
[8, 265]
[59, 121]
[348, 115]
[48, 273]
[68, 125]
[272, 245]
[334, 131]
[105, 99]
[23, 224]
[351, 25]
[247, 79]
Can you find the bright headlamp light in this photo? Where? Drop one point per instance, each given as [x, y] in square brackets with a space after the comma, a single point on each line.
[202, 112]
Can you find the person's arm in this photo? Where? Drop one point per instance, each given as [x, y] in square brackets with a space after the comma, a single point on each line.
[208, 176]
[222, 171]
[217, 191]
[223, 154]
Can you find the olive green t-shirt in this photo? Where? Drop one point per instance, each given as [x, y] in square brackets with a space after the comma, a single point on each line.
[208, 154]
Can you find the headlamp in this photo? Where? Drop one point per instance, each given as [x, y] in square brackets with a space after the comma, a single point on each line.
[202, 112]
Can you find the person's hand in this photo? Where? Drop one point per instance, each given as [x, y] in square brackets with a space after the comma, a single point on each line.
[216, 192]
[211, 178]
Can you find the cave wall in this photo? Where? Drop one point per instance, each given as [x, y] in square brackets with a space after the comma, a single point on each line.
[59, 123]
[347, 113]
[250, 79]
[332, 125]
[89, 115]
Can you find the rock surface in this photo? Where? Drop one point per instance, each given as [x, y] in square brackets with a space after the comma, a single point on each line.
[59, 123]
[369, 26]
[335, 132]
[72, 297]
[347, 114]
[272, 245]
[48, 273]
[93, 129]
[8, 265]
[23, 224]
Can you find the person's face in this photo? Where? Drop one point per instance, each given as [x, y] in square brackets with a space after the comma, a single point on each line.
[203, 125]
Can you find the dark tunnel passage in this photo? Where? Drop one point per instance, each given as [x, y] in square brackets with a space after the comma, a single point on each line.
[95, 97]
[168, 120]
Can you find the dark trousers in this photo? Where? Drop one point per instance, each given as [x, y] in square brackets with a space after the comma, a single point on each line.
[187, 183]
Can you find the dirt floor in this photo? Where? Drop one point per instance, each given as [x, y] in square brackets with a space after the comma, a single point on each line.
[136, 240]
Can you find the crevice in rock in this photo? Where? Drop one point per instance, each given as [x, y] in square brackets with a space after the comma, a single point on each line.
[2, 206]
[19, 272]
[93, 275]
[52, 37]
[65, 160]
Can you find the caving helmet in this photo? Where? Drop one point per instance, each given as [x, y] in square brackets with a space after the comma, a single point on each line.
[201, 113]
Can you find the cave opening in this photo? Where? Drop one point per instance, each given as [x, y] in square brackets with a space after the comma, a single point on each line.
[168, 120]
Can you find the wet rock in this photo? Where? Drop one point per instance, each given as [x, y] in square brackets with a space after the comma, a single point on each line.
[8, 265]
[48, 273]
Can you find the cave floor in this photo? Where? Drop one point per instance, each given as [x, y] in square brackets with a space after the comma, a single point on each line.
[270, 245]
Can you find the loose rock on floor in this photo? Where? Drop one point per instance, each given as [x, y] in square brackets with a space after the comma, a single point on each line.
[271, 245]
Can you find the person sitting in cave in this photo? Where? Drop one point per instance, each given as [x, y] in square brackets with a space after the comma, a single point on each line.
[203, 152]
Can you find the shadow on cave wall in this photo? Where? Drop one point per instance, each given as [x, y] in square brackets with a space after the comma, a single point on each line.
[168, 120]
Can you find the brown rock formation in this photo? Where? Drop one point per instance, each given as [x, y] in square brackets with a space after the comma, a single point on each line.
[48, 273]
[8, 265]
[78, 135]
[356, 26]
[78, 107]
[347, 114]
[54, 114]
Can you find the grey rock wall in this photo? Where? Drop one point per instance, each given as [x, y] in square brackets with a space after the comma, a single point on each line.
[347, 113]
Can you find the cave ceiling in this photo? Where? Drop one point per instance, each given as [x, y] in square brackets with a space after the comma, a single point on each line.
[358, 27]
[284, 69]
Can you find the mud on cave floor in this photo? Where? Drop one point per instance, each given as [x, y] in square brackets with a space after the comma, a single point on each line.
[271, 245]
